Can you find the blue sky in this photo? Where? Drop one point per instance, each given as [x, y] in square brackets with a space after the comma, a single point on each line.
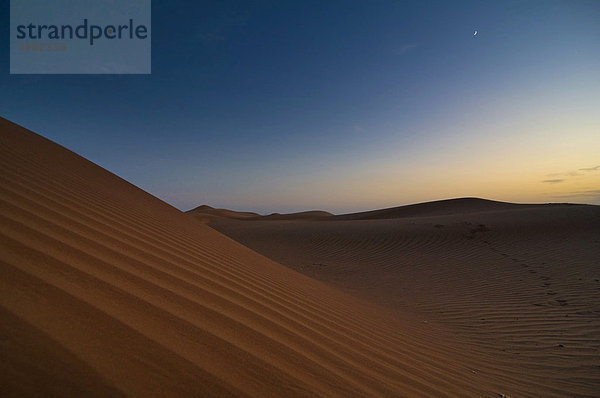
[284, 106]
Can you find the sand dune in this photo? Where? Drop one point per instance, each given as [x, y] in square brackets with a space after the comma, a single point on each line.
[206, 213]
[107, 291]
[518, 285]
[303, 215]
[435, 208]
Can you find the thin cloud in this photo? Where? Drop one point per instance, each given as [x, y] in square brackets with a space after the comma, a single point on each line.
[406, 48]
[555, 181]
[574, 173]
[588, 193]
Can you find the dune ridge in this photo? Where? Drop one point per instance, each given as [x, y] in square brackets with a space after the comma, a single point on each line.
[205, 213]
[107, 291]
[435, 208]
[302, 215]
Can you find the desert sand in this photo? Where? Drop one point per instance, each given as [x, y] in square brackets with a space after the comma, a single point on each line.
[517, 286]
[108, 291]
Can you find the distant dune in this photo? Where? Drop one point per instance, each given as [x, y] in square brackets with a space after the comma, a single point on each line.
[107, 291]
[519, 285]
[426, 209]
[206, 213]
[303, 215]
[435, 208]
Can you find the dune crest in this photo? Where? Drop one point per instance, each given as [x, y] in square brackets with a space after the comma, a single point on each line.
[435, 208]
[206, 213]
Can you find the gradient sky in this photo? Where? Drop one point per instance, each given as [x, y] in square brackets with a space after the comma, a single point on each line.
[342, 106]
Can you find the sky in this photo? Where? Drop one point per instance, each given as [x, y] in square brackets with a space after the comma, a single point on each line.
[280, 106]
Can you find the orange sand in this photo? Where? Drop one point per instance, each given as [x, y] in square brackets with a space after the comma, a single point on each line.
[108, 291]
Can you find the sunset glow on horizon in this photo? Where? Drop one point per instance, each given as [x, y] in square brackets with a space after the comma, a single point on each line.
[301, 105]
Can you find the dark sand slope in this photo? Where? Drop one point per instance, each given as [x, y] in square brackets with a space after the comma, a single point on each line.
[107, 291]
[519, 285]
